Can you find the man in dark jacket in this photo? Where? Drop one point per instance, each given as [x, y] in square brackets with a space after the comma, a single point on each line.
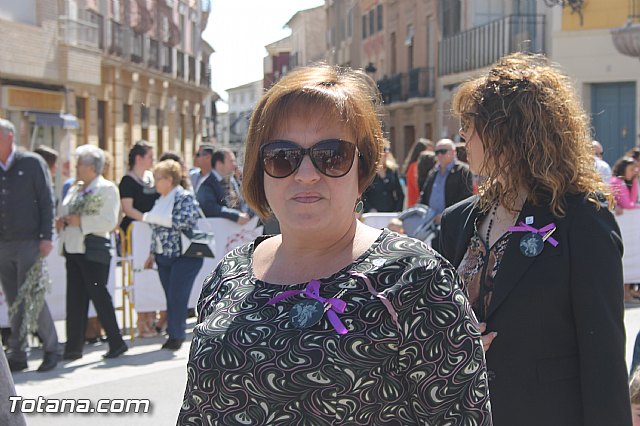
[447, 183]
[26, 226]
[213, 194]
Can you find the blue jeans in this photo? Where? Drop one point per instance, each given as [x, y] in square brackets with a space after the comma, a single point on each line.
[177, 275]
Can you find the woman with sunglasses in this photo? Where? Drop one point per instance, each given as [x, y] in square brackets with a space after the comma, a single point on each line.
[539, 250]
[330, 322]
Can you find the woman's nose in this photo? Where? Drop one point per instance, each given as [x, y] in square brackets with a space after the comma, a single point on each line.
[307, 171]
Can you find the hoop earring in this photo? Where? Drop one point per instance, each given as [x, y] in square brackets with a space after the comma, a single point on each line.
[359, 207]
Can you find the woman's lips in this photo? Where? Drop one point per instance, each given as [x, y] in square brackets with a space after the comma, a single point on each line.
[306, 198]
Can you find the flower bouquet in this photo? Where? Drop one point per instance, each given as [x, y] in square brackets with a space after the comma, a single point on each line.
[30, 298]
[86, 203]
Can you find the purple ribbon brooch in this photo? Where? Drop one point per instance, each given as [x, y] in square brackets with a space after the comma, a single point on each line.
[532, 243]
[308, 312]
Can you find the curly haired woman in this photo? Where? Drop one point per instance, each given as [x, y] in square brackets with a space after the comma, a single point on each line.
[539, 250]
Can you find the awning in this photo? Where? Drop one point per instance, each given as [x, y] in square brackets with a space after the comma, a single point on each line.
[66, 121]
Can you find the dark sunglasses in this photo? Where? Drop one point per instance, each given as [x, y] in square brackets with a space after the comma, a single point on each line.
[331, 157]
[441, 151]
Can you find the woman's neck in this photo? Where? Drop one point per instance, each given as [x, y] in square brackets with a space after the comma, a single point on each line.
[139, 171]
[323, 243]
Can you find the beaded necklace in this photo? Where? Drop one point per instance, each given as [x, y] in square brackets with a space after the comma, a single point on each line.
[491, 217]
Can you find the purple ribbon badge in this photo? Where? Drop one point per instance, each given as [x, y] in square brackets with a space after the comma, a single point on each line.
[532, 243]
[307, 313]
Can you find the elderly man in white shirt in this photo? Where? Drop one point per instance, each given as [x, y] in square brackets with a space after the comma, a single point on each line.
[603, 168]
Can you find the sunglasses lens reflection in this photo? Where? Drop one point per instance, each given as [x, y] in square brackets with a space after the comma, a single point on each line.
[280, 159]
[333, 157]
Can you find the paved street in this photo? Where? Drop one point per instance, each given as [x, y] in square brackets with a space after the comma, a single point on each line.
[144, 372]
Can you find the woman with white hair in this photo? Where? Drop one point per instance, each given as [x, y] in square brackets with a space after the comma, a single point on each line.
[89, 212]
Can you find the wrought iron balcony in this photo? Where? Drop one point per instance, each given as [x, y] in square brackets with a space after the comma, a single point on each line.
[417, 83]
[137, 53]
[205, 74]
[75, 32]
[153, 59]
[180, 61]
[120, 43]
[192, 68]
[481, 46]
[166, 58]
[421, 83]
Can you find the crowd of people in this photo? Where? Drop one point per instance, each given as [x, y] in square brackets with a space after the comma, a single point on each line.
[512, 315]
[83, 219]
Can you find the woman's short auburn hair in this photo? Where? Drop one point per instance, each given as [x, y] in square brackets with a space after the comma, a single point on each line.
[321, 91]
[534, 131]
[171, 169]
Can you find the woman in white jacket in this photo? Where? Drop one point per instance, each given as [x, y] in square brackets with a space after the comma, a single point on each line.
[89, 212]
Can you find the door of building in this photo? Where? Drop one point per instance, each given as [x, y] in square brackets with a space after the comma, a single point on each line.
[613, 111]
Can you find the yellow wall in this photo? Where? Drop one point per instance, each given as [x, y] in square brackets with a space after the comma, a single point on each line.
[597, 14]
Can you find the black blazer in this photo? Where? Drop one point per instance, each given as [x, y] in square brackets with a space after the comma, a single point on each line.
[384, 194]
[459, 184]
[559, 356]
[212, 198]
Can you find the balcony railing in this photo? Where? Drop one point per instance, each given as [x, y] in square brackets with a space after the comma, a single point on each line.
[120, 43]
[294, 60]
[484, 45]
[180, 61]
[75, 32]
[166, 58]
[97, 19]
[192, 68]
[137, 53]
[205, 74]
[417, 83]
[421, 83]
[153, 59]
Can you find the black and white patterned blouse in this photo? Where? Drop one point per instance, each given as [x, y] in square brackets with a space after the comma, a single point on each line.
[184, 217]
[411, 353]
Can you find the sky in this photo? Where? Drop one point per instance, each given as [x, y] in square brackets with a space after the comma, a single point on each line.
[238, 30]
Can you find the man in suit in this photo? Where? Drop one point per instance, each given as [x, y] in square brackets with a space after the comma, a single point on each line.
[447, 183]
[26, 227]
[203, 166]
[213, 193]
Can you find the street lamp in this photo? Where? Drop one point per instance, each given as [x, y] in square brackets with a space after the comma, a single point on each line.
[370, 68]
